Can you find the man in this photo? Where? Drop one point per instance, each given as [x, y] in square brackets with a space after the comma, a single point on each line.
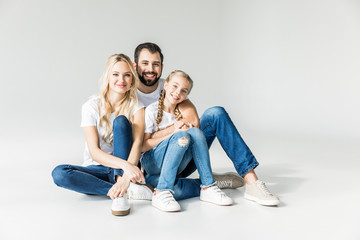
[215, 122]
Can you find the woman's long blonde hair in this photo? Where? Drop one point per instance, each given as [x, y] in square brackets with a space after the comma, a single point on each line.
[178, 115]
[125, 106]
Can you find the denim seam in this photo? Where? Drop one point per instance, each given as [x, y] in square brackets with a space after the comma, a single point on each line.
[195, 154]
[249, 168]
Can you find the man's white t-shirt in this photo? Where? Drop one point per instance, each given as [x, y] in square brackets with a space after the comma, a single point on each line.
[150, 118]
[149, 98]
[90, 116]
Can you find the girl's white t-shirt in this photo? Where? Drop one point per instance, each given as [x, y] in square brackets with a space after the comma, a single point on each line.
[90, 116]
[150, 118]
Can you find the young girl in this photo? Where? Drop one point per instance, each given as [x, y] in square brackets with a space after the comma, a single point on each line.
[165, 158]
[113, 124]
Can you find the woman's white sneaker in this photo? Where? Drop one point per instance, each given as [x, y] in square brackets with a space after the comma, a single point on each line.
[120, 206]
[214, 195]
[137, 191]
[165, 201]
[258, 192]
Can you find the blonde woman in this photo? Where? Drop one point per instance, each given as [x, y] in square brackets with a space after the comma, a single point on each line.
[166, 157]
[113, 124]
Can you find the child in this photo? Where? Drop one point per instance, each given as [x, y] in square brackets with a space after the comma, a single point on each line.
[166, 157]
[113, 124]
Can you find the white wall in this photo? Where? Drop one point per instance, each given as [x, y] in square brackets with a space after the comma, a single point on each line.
[277, 66]
[52, 53]
[292, 67]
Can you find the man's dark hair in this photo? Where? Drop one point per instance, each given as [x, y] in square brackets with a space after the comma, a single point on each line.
[152, 47]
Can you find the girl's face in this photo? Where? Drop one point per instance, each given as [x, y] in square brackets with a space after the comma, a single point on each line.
[120, 78]
[176, 89]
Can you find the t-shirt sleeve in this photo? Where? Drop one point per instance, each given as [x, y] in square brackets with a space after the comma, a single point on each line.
[150, 126]
[89, 115]
[139, 106]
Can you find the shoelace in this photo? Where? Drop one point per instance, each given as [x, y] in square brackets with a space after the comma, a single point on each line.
[224, 184]
[263, 188]
[134, 195]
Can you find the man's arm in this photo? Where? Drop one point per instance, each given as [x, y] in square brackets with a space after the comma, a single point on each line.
[189, 113]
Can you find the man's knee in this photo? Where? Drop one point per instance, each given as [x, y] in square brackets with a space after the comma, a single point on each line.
[216, 111]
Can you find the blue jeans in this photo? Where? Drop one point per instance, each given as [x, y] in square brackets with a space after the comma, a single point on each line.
[169, 158]
[215, 122]
[97, 179]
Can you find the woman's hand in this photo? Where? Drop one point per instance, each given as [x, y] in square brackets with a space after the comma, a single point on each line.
[181, 126]
[178, 126]
[133, 173]
[119, 188]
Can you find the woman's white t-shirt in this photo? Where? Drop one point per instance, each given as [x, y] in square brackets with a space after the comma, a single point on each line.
[90, 116]
[150, 118]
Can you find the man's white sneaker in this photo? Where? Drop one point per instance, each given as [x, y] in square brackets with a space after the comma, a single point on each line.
[258, 192]
[120, 206]
[137, 191]
[214, 195]
[228, 180]
[165, 201]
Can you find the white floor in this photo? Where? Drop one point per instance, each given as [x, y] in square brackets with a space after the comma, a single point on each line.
[316, 180]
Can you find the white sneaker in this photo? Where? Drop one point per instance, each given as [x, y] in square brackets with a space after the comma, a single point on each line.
[214, 195]
[228, 180]
[137, 191]
[165, 201]
[120, 206]
[258, 192]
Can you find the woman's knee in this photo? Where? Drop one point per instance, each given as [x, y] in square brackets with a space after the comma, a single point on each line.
[121, 122]
[58, 174]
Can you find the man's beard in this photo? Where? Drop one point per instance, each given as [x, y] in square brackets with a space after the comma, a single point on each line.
[148, 83]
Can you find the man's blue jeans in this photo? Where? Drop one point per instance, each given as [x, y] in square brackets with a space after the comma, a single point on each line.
[97, 179]
[171, 156]
[215, 122]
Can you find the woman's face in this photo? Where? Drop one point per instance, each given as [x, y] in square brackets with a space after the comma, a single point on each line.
[120, 78]
[177, 89]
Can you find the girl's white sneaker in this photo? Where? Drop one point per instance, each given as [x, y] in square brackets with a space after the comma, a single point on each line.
[213, 194]
[165, 201]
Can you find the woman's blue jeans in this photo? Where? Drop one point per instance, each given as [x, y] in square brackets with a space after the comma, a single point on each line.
[215, 122]
[171, 156]
[97, 179]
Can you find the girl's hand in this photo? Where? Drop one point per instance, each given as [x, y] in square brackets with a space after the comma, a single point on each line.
[133, 173]
[178, 125]
[119, 188]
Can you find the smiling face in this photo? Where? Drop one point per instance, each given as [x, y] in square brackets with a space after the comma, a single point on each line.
[120, 78]
[149, 67]
[177, 89]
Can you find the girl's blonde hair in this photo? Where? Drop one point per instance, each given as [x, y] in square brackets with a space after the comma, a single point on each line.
[178, 115]
[125, 106]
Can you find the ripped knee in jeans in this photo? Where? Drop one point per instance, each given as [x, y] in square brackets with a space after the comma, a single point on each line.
[183, 141]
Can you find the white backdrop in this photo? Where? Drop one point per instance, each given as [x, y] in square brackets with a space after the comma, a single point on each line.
[279, 67]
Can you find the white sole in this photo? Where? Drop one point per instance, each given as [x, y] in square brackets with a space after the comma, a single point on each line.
[262, 202]
[219, 204]
[175, 210]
